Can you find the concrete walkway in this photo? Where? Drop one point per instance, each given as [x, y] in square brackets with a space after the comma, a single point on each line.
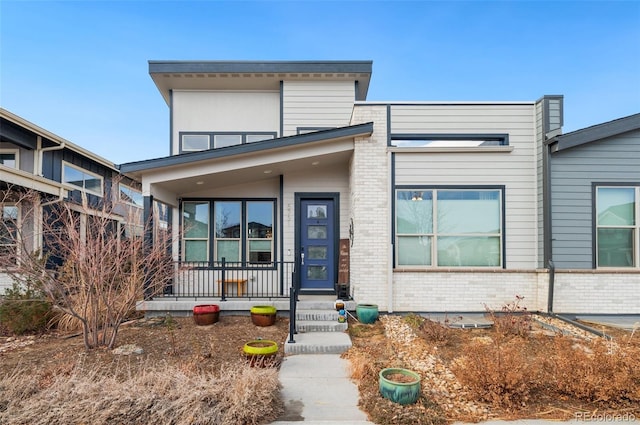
[316, 389]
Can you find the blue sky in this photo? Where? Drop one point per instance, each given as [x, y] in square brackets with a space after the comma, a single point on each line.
[79, 68]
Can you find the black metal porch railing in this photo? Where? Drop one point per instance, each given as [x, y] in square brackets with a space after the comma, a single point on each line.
[223, 279]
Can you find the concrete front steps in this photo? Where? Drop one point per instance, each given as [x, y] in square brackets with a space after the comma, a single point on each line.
[319, 331]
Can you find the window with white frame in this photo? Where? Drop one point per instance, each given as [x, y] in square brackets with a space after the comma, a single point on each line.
[242, 231]
[130, 195]
[617, 226]
[449, 227]
[9, 231]
[9, 158]
[84, 180]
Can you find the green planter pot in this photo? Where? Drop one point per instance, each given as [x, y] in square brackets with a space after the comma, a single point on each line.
[260, 352]
[263, 315]
[399, 385]
[367, 313]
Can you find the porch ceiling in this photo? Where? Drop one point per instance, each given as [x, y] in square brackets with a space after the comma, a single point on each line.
[223, 173]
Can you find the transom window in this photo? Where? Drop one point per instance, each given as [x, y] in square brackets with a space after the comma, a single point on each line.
[242, 231]
[449, 227]
[192, 142]
[9, 158]
[130, 195]
[448, 140]
[82, 179]
[9, 231]
[617, 226]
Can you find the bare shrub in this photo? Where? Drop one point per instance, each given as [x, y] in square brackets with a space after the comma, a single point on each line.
[512, 319]
[502, 373]
[102, 272]
[238, 394]
[596, 371]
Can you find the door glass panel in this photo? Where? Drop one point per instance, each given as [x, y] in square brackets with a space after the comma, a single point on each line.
[317, 232]
[317, 273]
[316, 211]
[317, 252]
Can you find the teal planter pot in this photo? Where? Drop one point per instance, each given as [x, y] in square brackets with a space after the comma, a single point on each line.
[399, 385]
[367, 313]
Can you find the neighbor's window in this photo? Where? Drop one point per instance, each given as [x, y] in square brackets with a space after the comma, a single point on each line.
[449, 227]
[617, 227]
[195, 228]
[449, 140]
[9, 158]
[131, 196]
[82, 179]
[9, 231]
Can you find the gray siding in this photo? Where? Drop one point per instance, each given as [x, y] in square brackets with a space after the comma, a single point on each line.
[616, 159]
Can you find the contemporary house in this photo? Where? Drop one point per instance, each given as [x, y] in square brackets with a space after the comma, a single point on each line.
[33, 159]
[284, 172]
[594, 205]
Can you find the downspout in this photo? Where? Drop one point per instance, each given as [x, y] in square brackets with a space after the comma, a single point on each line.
[552, 278]
[390, 184]
[42, 150]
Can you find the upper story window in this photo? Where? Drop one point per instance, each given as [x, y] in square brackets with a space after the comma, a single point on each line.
[457, 227]
[131, 196]
[617, 226]
[9, 158]
[448, 140]
[84, 180]
[192, 142]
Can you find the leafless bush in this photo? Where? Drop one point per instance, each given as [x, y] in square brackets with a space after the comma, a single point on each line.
[512, 319]
[103, 271]
[501, 373]
[238, 394]
[596, 371]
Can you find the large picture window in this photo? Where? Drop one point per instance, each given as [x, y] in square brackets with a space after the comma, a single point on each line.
[84, 180]
[617, 227]
[449, 227]
[242, 231]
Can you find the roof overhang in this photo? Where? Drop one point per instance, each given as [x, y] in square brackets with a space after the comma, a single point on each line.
[254, 75]
[182, 174]
[595, 133]
[19, 178]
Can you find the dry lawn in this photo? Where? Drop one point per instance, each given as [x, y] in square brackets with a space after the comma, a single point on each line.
[187, 374]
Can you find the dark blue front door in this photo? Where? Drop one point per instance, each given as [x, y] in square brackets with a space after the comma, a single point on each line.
[317, 245]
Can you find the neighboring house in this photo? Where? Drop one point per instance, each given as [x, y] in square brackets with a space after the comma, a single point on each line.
[283, 166]
[34, 159]
[595, 214]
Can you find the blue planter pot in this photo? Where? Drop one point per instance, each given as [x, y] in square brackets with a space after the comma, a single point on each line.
[405, 390]
[367, 313]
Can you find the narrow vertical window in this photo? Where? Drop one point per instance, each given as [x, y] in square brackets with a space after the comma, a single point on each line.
[260, 231]
[196, 231]
[228, 230]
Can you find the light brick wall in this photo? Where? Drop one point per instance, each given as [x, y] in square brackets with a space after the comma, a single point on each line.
[588, 291]
[459, 291]
[370, 210]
